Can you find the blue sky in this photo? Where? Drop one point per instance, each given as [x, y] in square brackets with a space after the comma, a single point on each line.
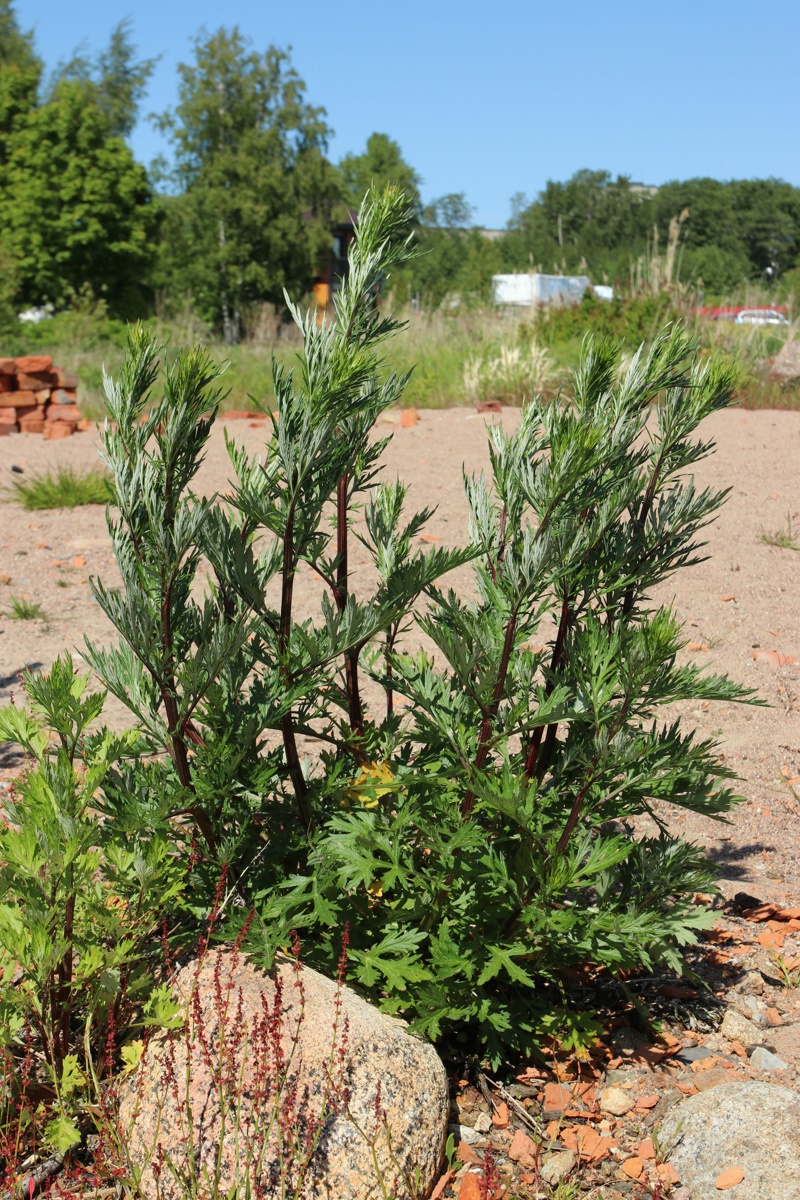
[495, 99]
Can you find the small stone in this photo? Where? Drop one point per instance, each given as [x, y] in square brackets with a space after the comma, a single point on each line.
[556, 1166]
[6, 579]
[729, 1178]
[737, 1028]
[463, 1133]
[692, 1054]
[773, 1017]
[620, 1075]
[483, 1123]
[752, 984]
[616, 1101]
[764, 1060]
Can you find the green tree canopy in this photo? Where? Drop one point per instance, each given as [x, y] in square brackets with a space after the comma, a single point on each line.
[382, 162]
[77, 211]
[254, 190]
[115, 81]
[20, 74]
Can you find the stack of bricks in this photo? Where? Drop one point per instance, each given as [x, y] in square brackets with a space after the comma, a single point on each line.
[36, 397]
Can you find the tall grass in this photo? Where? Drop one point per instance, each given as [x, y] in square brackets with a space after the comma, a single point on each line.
[63, 488]
[438, 344]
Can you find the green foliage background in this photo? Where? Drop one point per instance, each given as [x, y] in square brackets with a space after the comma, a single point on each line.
[247, 205]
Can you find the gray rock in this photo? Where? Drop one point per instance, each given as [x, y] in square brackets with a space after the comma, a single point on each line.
[556, 1166]
[764, 1060]
[692, 1054]
[239, 1016]
[752, 1125]
[616, 1100]
[737, 1028]
[619, 1075]
[464, 1133]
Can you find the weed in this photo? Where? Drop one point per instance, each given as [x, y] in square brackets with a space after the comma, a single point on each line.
[64, 488]
[789, 970]
[784, 539]
[23, 609]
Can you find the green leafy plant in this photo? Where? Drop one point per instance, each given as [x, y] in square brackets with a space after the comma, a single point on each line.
[23, 609]
[79, 896]
[485, 840]
[63, 488]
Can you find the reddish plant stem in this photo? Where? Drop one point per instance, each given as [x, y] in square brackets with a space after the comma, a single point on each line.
[284, 638]
[535, 743]
[354, 708]
[484, 737]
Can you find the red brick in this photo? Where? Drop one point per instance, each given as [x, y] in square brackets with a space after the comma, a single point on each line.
[64, 379]
[32, 424]
[17, 399]
[64, 412]
[8, 415]
[8, 366]
[35, 380]
[63, 395]
[34, 362]
[54, 431]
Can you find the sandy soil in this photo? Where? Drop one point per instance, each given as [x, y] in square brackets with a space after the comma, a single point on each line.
[744, 598]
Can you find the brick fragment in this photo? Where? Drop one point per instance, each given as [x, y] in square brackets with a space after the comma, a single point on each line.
[64, 379]
[17, 399]
[32, 424]
[64, 412]
[34, 380]
[63, 395]
[8, 366]
[54, 431]
[34, 362]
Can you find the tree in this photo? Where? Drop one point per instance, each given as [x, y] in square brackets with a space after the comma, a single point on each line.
[20, 74]
[115, 81]
[77, 211]
[254, 189]
[381, 163]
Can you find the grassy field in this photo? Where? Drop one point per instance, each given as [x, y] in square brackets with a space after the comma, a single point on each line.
[457, 357]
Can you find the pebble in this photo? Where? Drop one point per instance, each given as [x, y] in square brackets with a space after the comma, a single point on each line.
[616, 1101]
[764, 1060]
[737, 1028]
[463, 1133]
[556, 1166]
[483, 1123]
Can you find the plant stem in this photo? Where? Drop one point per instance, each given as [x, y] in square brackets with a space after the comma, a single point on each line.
[484, 737]
[644, 513]
[538, 733]
[351, 657]
[284, 638]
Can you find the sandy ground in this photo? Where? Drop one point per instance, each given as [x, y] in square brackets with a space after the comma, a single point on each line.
[744, 598]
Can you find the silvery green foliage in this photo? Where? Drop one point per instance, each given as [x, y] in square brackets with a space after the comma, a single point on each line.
[485, 839]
